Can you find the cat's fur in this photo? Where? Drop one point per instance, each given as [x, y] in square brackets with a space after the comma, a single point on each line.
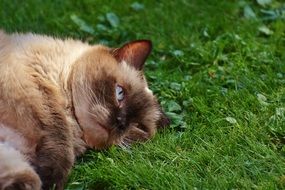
[57, 98]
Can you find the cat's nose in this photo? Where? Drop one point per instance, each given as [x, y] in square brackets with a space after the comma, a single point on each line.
[120, 123]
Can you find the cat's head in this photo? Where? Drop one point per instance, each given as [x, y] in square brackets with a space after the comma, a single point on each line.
[111, 98]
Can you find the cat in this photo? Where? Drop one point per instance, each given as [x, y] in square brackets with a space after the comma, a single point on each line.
[59, 97]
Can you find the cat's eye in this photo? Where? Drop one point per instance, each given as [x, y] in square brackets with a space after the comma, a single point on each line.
[120, 94]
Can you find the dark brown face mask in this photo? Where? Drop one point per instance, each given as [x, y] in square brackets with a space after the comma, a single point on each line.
[136, 116]
[136, 53]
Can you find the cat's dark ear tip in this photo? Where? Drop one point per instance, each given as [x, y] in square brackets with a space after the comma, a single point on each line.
[134, 53]
[143, 41]
[147, 43]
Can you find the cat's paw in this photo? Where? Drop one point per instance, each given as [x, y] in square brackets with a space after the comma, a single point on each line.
[25, 180]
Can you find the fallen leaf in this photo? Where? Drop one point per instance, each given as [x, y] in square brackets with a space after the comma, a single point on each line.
[265, 30]
[173, 106]
[101, 27]
[262, 99]
[110, 160]
[136, 6]
[178, 53]
[264, 2]
[113, 19]
[175, 86]
[176, 120]
[248, 12]
[82, 24]
[231, 120]
[280, 112]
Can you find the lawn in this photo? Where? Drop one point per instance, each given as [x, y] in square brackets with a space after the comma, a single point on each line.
[218, 68]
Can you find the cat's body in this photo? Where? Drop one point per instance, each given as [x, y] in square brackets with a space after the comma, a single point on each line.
[59, 97]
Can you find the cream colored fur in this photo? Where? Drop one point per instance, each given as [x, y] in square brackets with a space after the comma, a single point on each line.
[46, 91]
[14, 166]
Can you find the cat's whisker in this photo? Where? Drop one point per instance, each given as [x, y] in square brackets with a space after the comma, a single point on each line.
[125, 147]
[93, 97]
[121, 146]
[84, 89]
[85, 111]
[129, 141]
[125, 143]
[89, 93]
[103, 113]
[104, 101]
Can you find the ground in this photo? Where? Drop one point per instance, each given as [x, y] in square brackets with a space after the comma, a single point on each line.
[218, 68]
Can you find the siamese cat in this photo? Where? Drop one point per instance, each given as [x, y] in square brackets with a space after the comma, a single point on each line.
[60, 97]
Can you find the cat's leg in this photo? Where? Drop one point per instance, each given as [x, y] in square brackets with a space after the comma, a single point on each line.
[40, 110]
[54, 155]
[54, 151]
[15, 172]
[54, 161]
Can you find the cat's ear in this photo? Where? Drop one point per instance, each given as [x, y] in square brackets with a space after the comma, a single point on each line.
[134, 53]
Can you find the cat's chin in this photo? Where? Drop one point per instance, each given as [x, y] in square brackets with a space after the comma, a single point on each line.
[97, 136]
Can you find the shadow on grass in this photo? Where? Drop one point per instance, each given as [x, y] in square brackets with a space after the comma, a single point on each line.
[100, 184]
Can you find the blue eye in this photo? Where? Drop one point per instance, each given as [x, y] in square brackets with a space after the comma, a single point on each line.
[120, 94]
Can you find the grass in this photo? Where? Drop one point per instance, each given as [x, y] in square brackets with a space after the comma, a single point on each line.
[218, 67]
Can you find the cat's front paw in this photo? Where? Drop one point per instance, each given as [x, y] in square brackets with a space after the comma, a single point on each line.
[25, 180]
